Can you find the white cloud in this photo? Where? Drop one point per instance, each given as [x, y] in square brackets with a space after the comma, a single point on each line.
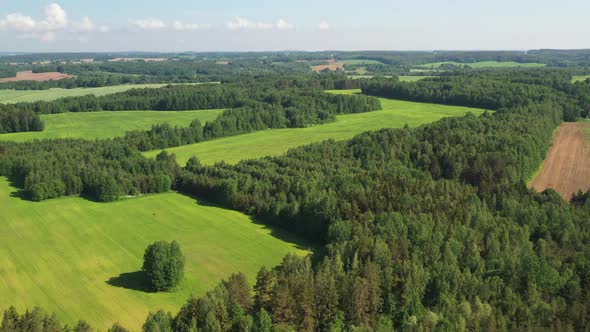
[46, 29]
[18, 22]
[324, 26]
[55, 17]
[148, 24]
[284, 25]
[241, 23]
[104, 28]
[179, 26]
[84, 25]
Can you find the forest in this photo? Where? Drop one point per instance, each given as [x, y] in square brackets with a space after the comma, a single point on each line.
[431, 228]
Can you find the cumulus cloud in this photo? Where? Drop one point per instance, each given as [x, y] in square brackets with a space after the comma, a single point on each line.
[241, 23]
[18, 22]
[324, 26]
[179, 26]
[284, 25]
[55, 19]
[148, 24]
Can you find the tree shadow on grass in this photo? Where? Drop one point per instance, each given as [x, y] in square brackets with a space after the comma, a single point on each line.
[132, 280]
[299, 242]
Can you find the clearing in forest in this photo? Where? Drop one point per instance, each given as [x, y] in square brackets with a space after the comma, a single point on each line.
[330, 64]
[30, 76]
[580, 78]
[272, 142]
[567, 166]
[101, 125]
[81, 259]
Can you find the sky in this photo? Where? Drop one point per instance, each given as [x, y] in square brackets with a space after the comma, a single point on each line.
[309, 25]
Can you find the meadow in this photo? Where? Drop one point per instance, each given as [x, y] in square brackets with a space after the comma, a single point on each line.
[395, 114]
[401, 78]
[580, 78]
[17, 96]
[484, 64]
[80, 259]
[360, 62]
[93, 125]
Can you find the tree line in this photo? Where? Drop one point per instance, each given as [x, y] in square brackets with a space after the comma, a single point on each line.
[480, 91]
[108, 170]
[13, 120]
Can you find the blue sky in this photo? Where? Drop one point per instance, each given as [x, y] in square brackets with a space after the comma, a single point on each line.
[231, 25]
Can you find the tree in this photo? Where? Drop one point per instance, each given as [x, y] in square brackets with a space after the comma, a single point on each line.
[163, 263]
[10, 320]
[82, 326]
[239, 290]
[158, 322]
[263, 322]
[117, 328]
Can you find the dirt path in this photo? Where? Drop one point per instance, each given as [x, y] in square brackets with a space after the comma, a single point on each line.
[567, 166]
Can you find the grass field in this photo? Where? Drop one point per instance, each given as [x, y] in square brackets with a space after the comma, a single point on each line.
[580, 78]
[16, 96]
[361, 62]
[484, 64]
[80, 259]
[394, 114]
[413, 78]
[91, 125]
[401, 78]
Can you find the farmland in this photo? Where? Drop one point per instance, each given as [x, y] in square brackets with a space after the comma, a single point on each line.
[16, 96]
[567, 165]
[395, 113]
[330, 64]
[360, 62]
[30, 76]
[80, 259]
[401, 78]
[92, 125]
[483, 64]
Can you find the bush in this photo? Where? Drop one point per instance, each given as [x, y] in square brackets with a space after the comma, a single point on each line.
[163, 264]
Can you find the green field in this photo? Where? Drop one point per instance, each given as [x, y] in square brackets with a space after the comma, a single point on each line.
[360, 62]
[484, 64]
[395, 114]
[401, 78]
[16, 96]
[413, 78]
[93, 125]
[580, 78]
[79, 258]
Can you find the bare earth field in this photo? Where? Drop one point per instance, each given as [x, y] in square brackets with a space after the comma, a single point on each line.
[30, 76]
[331, 64]
[567, 166]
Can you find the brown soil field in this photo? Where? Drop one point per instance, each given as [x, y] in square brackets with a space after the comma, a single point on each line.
[567, 166]
[30, 76]
[330, 64]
